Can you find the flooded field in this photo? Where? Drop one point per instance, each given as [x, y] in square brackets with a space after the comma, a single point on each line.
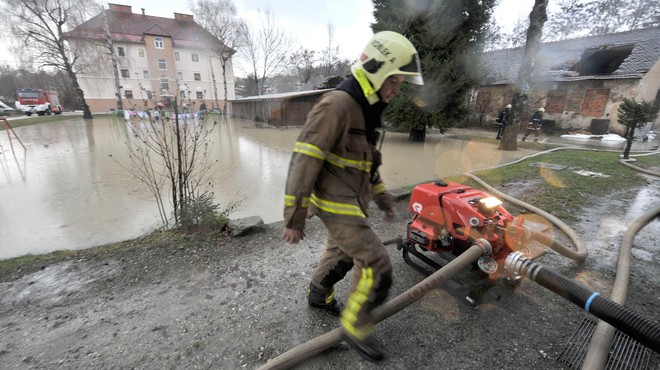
[68, 189]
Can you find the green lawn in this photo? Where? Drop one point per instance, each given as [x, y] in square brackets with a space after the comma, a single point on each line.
[563, 192]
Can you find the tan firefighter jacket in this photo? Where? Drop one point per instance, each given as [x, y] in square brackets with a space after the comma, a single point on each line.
[330, 168]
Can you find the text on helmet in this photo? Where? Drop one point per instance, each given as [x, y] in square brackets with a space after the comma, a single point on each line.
[383, 50]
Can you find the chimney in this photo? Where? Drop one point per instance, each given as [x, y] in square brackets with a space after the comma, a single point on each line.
[120, 8]
[183, 17]
[142, 11]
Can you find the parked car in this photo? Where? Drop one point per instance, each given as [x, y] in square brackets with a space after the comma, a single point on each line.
[6, 109]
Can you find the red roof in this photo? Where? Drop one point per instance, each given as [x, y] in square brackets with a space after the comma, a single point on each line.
[131, 28]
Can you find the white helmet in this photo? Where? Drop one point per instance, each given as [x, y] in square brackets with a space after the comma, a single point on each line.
[389, 53]
[541, 110]
[508, 106]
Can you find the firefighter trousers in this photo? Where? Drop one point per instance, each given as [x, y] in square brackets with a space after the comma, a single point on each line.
[355, 246]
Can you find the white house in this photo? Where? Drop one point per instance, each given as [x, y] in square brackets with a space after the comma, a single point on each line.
[157, 58]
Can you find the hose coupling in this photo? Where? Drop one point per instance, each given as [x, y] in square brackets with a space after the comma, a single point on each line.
[517, 264]
[484, 245]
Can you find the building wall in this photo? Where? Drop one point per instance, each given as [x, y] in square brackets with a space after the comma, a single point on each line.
[573, 104]
[98, 82]
[290, 111]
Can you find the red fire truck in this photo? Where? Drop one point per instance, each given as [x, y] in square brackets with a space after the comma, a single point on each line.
[38, 101]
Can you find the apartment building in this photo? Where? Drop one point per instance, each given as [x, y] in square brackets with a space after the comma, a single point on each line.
[156, 59]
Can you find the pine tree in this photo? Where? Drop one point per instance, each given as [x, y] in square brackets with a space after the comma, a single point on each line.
[635, 115]
[449, 37]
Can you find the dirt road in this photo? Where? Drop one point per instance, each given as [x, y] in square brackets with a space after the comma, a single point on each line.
[216, 302]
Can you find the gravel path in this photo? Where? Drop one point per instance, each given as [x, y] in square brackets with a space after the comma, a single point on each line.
[216, 302]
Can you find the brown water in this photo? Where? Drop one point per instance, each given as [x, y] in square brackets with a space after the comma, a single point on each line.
[68, 191]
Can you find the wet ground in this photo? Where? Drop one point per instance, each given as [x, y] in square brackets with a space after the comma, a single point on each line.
[211, 301]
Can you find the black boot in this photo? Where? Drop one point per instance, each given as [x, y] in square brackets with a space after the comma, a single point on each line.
[370, 348]
[324, 299]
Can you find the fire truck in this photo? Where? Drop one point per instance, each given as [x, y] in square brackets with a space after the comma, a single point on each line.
[38, 101]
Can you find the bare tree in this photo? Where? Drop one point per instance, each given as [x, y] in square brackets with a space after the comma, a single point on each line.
[302, 65]
[575, 18]
[113, 57]
[566, 22]
[220, 18]
[330, 54]
[537, 18]
[171, 155]
[518, 34]
[483, 106]
[264, 49]
[40, 25]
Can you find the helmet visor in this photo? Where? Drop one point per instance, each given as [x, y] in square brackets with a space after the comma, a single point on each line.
[414, 79]
[413, 71]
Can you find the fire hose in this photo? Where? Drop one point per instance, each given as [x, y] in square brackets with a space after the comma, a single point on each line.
[601, 341]
[319, 344]
[644, 330]
[611, 312]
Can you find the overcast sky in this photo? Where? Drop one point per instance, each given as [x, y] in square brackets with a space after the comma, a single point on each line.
[306, 22]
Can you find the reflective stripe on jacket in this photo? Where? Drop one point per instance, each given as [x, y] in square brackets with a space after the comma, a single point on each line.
[330, 168]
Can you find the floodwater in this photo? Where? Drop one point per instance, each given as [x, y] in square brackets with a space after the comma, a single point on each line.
[68, 189]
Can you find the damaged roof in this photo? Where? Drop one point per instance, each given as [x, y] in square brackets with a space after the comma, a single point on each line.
[131, 28]
[620, 55]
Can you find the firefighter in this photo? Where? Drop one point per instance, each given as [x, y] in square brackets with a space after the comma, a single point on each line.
[534, 124]
[333, 173]
[502, 120]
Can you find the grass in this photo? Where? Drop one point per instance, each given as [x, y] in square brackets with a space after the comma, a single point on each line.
[648, 162]
[563, 192]
[35, 120]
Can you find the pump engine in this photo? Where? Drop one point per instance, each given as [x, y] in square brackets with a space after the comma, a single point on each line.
[449, 216]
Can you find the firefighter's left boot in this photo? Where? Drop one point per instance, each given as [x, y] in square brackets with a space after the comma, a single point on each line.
[324, 299]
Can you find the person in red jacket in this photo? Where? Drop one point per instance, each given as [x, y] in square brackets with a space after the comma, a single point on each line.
[333, 173]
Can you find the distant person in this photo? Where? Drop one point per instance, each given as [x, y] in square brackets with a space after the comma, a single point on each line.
[333, 173]
[502, 120]
[534, 124]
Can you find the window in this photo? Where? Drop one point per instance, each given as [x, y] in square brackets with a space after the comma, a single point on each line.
[145, 73]
[162, 64]
[125, 73]
[128, 94]
[556, 101]
[198, 76]
[179, 76]
[158, 43]
[200, 95]
[177, 56]
[120, 51]
[195, 58]
[182, 94]
[595, 102]
[141, 53]
[165, 84]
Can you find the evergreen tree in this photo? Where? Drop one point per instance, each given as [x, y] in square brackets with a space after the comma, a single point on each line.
[449, 37]
[635, 115]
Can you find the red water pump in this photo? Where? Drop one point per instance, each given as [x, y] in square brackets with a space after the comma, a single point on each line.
[449, 216]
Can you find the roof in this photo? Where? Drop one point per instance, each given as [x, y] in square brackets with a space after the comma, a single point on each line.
[131, 28]
[556, 60]
[281, 96]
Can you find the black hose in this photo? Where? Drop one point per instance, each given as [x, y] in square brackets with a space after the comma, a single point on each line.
[640, 328]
